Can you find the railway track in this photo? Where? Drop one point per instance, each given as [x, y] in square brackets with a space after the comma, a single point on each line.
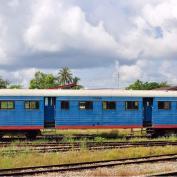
[76, 146]
[84, 166]
[58, 137]
[52, 137]
[172, 173]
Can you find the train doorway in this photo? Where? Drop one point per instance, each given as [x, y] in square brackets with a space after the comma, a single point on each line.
[147, 104]
[49, 112]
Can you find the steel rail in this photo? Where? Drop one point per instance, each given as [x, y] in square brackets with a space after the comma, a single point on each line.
[63, 147]
[92, 143]
[171, 173]
[85, 165]
[61, 137]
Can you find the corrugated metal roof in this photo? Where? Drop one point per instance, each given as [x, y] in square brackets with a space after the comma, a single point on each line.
[110, 92]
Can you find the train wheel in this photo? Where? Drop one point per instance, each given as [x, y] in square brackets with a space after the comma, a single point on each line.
[31, 135]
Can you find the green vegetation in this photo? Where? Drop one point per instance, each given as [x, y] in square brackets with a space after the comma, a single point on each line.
[42, 80]
[32, 159]
[140, 85]
[15, 86]
[64, 76]
[105, 135]
[4, 83]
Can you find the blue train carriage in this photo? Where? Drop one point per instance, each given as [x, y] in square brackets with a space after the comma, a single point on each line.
[28, 111]
[20, 113]
[98, 109]
[164, 114]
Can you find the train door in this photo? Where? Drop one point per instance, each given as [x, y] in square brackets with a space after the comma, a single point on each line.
[49, 112]
[147, 104]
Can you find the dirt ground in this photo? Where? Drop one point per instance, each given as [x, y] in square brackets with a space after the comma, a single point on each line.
[127, 170]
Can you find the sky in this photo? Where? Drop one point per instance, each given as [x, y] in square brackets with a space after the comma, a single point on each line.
[97, 39]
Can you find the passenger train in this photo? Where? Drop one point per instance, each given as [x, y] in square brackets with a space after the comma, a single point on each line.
[28, 111]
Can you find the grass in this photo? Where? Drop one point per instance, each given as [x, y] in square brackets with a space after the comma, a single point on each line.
[99, 132]
[98, 138]
[101, 135]
[32, 159]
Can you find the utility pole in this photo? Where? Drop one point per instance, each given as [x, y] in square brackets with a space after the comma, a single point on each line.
[118, 79]
[118, 74]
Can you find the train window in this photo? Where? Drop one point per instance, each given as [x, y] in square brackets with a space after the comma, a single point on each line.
[46, 101]
[31, 104]
[109, 105]
[7, 105]
[85, 105]
[131, 105]
[164, 105]
[64, 104]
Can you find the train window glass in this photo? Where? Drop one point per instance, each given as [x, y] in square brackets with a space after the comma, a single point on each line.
[46, 101]
[109, 105]
[7, 105]
[27, 105]
[131, 105]
[51, 102]
[31, 104]
[64, 104]
[164, 105]
[83, 105]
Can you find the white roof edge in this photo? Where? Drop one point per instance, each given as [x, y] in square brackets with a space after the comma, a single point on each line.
[106, 92]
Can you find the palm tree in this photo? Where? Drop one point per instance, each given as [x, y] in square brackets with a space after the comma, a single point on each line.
[76, 82]
[65, 76]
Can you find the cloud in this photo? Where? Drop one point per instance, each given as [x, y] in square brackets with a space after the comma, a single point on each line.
[89, 37]
[2, 31]
[62, 30]
[129, 73]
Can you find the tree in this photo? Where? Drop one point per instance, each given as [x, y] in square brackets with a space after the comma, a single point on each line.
[139, 85]
[65, 76]
[76, 82]
[42, 81]
[15, 86]
[3, 83]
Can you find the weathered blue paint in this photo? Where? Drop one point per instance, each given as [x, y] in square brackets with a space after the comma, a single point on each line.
[148, 113]
[21, 116]
[164, 117]
[89, 118]
[98, 116]
[49, 110]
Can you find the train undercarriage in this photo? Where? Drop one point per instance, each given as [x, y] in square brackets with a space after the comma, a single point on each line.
[29, 134]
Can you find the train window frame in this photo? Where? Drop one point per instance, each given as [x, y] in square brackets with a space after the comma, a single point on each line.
[7, 108]
[133, 105]
[86, 106]
[108, 105]
[65, 106]
[164, 108]
[30, 105]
